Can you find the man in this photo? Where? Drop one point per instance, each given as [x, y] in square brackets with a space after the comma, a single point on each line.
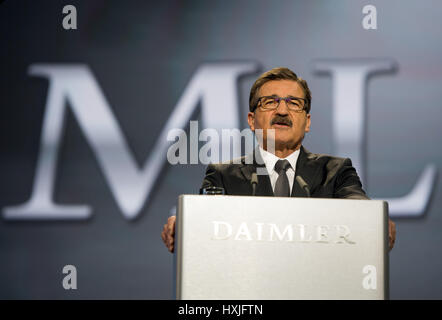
[280, 100]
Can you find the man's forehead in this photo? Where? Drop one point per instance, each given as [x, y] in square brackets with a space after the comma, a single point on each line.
[281, 87]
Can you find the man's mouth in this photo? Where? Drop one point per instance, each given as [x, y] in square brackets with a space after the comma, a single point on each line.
[281, 124]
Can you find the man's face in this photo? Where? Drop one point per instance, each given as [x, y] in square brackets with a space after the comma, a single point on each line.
[290, 126]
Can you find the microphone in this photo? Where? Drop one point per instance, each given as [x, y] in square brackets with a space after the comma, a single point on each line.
[303, 185]
[254, 182]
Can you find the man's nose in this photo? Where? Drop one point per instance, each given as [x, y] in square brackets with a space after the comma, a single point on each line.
[282, 107]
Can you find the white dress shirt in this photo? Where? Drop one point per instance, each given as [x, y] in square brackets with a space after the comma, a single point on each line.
[270, 160]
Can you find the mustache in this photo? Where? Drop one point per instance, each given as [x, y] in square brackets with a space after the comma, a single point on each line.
[281, 120]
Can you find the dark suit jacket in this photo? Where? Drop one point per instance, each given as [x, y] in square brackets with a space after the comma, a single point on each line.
[326, 176]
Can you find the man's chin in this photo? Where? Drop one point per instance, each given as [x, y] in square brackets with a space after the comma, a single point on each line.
[283, 141]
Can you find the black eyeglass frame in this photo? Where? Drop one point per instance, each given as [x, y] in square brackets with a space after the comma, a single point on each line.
[279, 101]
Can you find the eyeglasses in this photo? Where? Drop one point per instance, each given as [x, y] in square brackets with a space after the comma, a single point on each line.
[272, 102]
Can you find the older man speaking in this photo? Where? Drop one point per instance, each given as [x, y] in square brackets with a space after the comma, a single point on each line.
[281, 101]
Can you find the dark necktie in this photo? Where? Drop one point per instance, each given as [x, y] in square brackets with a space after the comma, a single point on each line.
[282, 186]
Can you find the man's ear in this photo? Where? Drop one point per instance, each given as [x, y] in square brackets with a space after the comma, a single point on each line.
[307, 123]
[251, 120]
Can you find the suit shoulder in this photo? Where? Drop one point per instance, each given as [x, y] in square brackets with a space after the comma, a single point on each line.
[328, 162]
[323, 157]
[227, 165]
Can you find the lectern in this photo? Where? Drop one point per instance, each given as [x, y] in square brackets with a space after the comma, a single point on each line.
[241, 247]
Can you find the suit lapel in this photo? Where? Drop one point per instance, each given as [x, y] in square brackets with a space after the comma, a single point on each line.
[264, 187]
[308, 170]
[250, 164]
[305, 167]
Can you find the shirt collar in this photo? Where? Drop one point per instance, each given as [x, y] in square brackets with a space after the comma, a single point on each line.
[270, 159]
